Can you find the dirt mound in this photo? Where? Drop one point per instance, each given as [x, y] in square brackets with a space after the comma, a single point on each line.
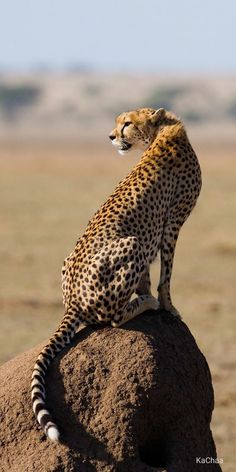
[137, 398]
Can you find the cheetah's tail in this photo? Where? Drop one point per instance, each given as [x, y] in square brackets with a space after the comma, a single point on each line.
[57, 342]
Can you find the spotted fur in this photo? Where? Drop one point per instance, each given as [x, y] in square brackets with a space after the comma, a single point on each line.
[111, 260]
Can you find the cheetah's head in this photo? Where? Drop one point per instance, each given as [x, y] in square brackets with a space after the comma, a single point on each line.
[138, 129]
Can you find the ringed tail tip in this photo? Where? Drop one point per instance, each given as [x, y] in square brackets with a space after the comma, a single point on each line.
[53, 433]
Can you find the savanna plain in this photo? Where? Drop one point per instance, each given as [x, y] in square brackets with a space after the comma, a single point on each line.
[49, 192]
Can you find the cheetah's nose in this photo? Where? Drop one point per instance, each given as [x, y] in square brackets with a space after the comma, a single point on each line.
[112, 136]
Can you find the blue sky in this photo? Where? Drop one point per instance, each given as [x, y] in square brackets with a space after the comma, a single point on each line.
[145, 35]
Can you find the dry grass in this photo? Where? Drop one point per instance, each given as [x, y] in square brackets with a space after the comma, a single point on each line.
[49, 192]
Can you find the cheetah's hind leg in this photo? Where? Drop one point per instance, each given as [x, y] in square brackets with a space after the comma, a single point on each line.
[122, 270]
[135, 308]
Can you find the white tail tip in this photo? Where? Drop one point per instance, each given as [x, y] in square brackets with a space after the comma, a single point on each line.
[53, 433]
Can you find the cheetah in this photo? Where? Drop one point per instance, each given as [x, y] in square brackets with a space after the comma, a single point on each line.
[110, 262]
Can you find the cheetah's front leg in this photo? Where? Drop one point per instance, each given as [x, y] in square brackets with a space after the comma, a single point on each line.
[168, 244]
[144, 286]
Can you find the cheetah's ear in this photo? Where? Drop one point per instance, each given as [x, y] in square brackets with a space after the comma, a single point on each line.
[157, 116]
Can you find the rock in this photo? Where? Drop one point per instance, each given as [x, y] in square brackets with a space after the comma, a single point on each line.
[136, 398]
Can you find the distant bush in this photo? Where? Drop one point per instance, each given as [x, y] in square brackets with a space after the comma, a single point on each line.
[192, 116]
[164, 97]
[15, 97]
[232, 109]
[93, 90]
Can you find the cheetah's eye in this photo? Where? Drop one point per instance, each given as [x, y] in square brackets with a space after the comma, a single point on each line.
[127, 123]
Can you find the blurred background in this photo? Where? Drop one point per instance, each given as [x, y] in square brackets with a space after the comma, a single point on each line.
[66, 70]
